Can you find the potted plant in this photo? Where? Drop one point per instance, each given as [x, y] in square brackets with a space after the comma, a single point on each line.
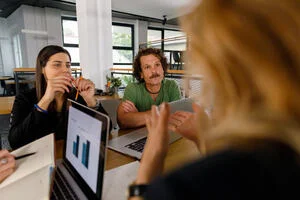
[113, 83]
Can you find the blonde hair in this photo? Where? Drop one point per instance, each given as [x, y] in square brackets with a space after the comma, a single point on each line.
[249, 54]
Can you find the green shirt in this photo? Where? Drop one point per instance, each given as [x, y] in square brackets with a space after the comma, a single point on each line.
[137, 93]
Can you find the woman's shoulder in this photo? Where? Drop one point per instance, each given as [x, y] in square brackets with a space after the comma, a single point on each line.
[268, 157]
[28, 96]
[232, 172]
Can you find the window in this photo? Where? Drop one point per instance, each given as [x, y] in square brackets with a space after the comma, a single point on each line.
[154, 38]
[177, 40]
[123, 45]
[70, 38]
[169, 41]
[165, 39]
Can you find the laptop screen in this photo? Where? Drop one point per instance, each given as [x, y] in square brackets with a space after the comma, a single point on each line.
[85, 147]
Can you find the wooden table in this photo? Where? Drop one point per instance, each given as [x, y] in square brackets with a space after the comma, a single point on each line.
[180, 152]
[3, 78]
[115, 96]
[6, 104]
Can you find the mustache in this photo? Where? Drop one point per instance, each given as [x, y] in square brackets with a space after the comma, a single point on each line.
[154, 75]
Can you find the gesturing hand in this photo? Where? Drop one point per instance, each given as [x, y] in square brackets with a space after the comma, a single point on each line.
[184, 123]
[56, 85]
[190, 125]
[156, 146]
[157, 126]
[86, 89]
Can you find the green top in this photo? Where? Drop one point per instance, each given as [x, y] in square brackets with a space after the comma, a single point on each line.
[137, 93]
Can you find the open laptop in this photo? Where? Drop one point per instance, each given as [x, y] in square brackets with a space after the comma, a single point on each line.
[133, 143]
[79, 175]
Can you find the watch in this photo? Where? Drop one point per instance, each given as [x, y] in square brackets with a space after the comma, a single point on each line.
[138, 190]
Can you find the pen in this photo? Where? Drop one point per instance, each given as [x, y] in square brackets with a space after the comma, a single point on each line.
[80, 78]
[25, 155]
[73, 84]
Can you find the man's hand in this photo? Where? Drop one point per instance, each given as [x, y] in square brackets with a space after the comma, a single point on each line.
[128, 106]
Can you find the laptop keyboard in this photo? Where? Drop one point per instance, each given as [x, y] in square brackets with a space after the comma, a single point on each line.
[61, 188]
[137, 145]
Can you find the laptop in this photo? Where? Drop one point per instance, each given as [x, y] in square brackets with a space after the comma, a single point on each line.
[133, 143]
[79, 175]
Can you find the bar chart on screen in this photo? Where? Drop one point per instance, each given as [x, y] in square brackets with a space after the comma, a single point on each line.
[82, 148]
[76, 146]
[85, 154]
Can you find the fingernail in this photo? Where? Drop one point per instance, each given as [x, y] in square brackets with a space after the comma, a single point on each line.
[163, 105]
[3, 161]
[157, 110]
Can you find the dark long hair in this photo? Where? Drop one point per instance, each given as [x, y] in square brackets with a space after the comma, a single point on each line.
[41, 61]
[137, 69]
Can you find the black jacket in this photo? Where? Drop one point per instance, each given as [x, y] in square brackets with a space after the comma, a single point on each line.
[28, 124]
[269, 172]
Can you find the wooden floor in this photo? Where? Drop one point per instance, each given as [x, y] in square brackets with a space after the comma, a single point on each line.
[6, 104]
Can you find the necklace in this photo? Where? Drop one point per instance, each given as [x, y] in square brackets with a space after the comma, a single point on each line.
[153, 92]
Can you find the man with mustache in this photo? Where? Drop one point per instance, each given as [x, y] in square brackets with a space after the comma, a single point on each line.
[149, 68]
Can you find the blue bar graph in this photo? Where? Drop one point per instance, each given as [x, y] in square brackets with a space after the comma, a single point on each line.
[76, 146]
[85, 154]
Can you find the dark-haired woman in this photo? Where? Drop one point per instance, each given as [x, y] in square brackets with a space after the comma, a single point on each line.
[43, 110]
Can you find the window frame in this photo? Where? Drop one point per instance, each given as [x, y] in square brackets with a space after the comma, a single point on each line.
[125, 48]
[75, 64]
[162, 35]
[163, 38]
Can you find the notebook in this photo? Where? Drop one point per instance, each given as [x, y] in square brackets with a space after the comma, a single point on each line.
[133, 143]
[79, 175]
[32, 176]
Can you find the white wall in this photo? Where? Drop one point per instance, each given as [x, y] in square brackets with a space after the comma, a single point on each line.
[6, 51]
[36, 20]
[40, 20]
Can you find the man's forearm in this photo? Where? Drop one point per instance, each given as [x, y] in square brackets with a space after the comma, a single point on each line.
[132, 119]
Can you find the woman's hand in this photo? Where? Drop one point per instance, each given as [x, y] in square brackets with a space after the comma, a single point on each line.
[156, 146]
[184, 123]
[7, 164]
[86, 89]
[59, 84]
[55, 86]
[191, 125]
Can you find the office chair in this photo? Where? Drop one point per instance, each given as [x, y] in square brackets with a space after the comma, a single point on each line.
[111, 106]
[177, 59]
[8, 89]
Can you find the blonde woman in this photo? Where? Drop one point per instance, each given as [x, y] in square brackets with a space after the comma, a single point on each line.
[249, 54]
